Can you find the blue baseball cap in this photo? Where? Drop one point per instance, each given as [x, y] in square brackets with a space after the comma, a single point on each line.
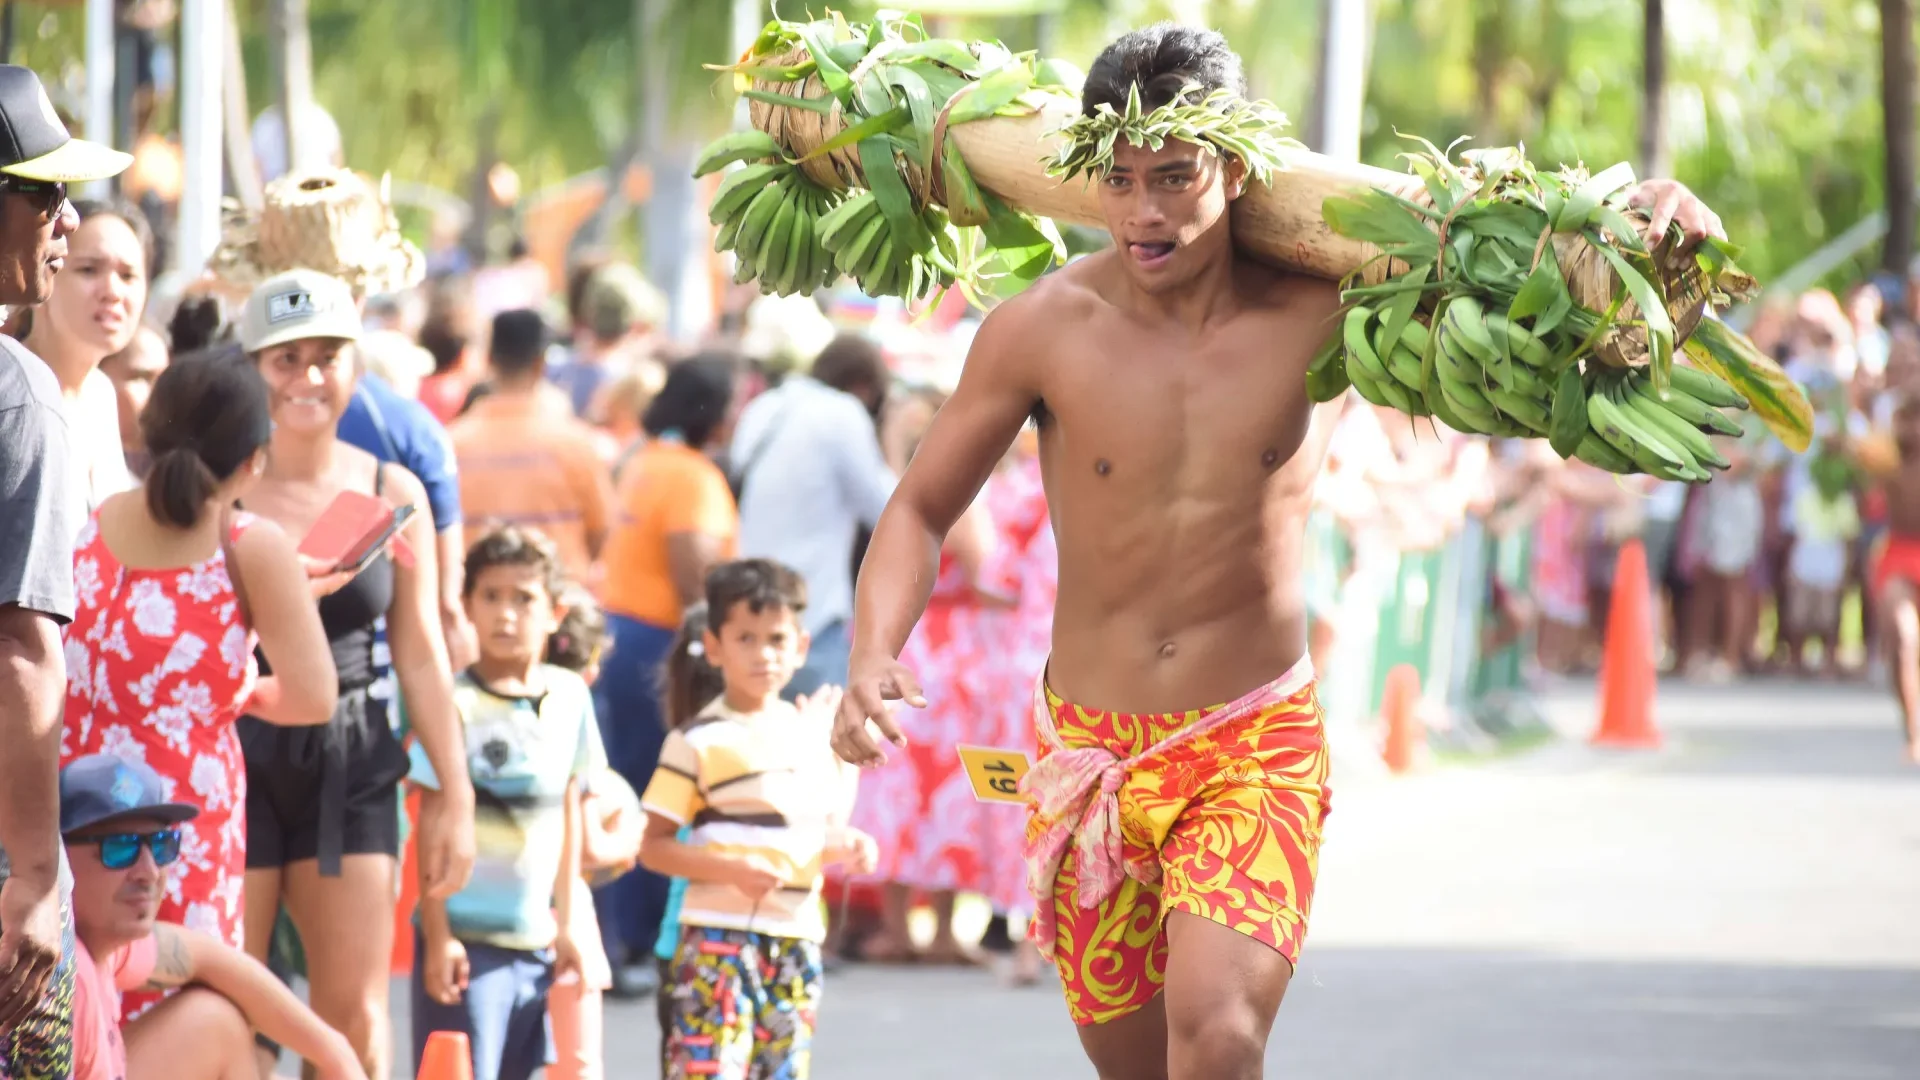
[100, 787]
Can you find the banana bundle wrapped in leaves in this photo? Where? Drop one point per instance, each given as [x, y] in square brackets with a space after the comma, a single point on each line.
[1513, 302]
[1487, 294]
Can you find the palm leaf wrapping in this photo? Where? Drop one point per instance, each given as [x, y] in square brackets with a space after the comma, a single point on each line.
[912, 163]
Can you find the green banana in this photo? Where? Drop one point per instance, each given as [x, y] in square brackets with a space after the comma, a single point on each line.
[742, 188]
[844, 222]
[735, 146]
[1529, 413]
[1367, 387]
[1708, 387]
[1415, 336]
[881, 271]
[1595, 451]
[773, 246]
[799, 245]
[1646, 449]
[1404, 365]
[723, 239]
[1454, 364]
[1468, 320]
[758, 217]
[1640, 397]
[1360, 352]
[1472, 405]
[1529, 384]
[856, 255]
[1521, 344]
[1699, 413]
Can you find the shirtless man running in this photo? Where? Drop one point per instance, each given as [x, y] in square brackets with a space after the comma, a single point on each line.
[1167, 377]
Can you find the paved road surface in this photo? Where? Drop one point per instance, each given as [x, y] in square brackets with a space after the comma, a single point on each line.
[1742, 904]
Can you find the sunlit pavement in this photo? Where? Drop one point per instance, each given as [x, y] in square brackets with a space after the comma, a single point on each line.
[1742, 903]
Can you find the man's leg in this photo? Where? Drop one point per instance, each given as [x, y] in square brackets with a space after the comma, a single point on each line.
[194, 1035]
[1900, 638]
[1130, 1047]
[1223, 991]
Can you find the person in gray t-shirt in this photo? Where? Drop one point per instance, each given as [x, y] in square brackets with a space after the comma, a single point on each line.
[37, 529]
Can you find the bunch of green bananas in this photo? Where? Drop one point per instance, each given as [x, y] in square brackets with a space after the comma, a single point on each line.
[1478, 371]
[1632, 427]
[869, 250]
[768, 213]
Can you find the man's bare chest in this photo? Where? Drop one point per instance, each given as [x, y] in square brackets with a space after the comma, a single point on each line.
[1232, 406]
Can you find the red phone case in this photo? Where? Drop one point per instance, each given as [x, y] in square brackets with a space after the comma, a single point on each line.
[345, 526]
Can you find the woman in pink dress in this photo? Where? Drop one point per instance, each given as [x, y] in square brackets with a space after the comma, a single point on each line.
[172, 586]
[1025, 570]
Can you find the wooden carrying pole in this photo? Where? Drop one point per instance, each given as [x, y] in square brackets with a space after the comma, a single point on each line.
[1278, 223]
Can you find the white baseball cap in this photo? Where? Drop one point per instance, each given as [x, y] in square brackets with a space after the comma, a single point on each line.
[297, 305]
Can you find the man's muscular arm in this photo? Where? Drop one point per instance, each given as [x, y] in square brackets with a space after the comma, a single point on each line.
[973, 429]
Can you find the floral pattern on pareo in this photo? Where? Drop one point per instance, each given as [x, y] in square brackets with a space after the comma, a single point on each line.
[1228, 821]
[161, 664]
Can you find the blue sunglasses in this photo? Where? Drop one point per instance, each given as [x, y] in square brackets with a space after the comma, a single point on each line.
[121, 850]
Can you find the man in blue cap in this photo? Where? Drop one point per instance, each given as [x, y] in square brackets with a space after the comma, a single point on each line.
[122, 833]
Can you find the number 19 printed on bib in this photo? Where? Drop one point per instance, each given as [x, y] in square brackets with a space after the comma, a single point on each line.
[994, 773]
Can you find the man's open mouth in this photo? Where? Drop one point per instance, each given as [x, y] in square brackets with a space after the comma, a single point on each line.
[1148, 251]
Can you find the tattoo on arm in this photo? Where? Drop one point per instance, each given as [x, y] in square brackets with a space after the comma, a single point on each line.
[171, 965]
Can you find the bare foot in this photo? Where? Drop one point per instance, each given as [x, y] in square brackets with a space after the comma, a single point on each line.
[1024, 967]
[949, 952]
[1913, 752]
[885, 948]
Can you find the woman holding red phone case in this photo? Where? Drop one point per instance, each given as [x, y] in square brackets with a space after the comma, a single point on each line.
[174, 590]
[323, 804]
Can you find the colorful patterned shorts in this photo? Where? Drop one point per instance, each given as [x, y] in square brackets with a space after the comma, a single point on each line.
[41, 1046]
[743, 1007]
[1233, 818]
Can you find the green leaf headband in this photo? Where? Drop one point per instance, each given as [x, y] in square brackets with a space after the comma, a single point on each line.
[1222, 122]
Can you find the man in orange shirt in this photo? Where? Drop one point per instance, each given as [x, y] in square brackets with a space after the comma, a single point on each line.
[524, 463]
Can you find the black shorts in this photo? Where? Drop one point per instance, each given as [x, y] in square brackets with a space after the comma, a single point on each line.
[323, 792]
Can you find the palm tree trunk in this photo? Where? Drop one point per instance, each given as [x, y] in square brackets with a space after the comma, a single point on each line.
[1653, 91]
[1897, 84]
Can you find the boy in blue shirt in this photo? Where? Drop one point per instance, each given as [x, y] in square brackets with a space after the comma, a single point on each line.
[489, 954]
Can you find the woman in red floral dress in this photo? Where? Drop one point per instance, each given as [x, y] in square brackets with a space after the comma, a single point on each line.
[160, 653]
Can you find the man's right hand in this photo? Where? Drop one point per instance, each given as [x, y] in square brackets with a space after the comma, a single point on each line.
[873, 680]
[30, 936]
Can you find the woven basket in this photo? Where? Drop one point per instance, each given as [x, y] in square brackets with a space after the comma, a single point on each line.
[334, 221]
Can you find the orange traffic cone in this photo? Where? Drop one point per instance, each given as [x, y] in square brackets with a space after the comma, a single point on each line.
[409, 893]
[448, 1057]
[1400, 705]
[1627, 664]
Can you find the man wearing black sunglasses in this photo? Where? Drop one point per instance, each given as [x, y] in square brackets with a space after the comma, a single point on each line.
[122, 834]
[39, 517]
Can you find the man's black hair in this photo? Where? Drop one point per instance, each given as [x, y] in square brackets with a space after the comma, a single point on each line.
[1161, 59]
[519, 342]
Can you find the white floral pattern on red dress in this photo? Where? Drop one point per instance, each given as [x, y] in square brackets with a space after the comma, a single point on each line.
[977, 666]
[159, 666]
